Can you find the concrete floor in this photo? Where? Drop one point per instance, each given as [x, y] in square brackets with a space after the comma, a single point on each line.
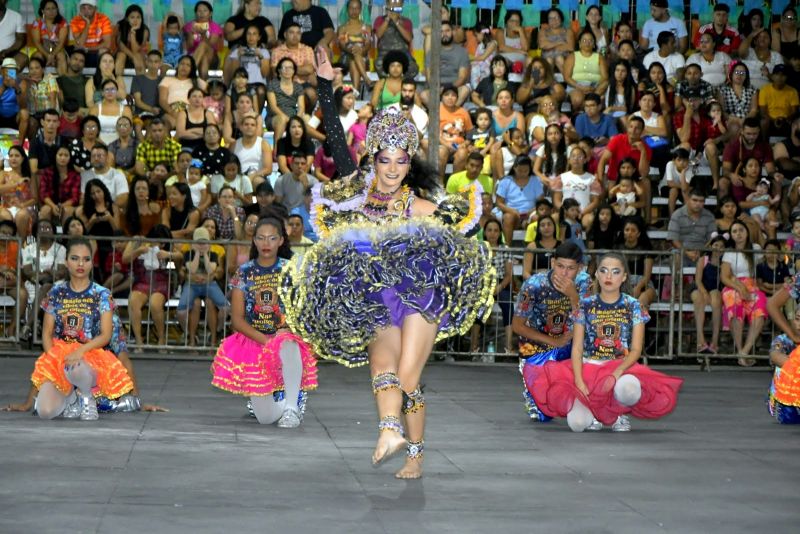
[718, 464]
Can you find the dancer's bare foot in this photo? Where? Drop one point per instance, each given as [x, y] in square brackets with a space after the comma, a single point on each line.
[389, 444]
[412, 469]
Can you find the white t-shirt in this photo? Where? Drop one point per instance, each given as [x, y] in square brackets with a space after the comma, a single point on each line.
[581, 187]
[538, 121]
[251, 63]
[671, 63]
[671, 175]
[714, 71]
[48, 260]
[418, 115]
[240, 184]
[197, 189]
[10, 26]
[113, 179]
[740, 268]
[757, 78]
[652, 28]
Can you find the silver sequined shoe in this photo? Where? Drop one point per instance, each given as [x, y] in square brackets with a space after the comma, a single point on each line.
[622, 424]
[73, 409]
[289, 419]
[595, 426]
[89, 411]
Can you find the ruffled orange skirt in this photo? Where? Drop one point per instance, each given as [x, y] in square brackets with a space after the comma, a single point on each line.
[787, 385]
[112, 377]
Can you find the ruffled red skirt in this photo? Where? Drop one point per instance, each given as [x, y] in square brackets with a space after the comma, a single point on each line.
[553, 388]
[243, 367]
[112, 377]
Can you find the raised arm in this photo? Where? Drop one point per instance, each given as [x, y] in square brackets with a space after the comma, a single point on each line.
[333, 127]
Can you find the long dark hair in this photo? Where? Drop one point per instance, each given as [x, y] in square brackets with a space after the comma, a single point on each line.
[89, 207]
[748, 246]
[125, 26]
[303, 138]
[746, 24]
[178, 218]
[68, 222]
[25, 166]
[422, 178]
[56, 180]
[629, 87]
[492, 220]
[132, 218]
[499, 59]
[192, 70]
[549, 167]
[98, 75]
[614, 225]
[59, 18]
[643, 243]
[538, 238]
[285, 251]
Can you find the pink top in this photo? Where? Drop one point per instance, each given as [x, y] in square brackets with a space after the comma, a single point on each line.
[197, 38]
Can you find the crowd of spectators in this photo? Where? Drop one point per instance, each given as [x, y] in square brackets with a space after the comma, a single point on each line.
[572, 129]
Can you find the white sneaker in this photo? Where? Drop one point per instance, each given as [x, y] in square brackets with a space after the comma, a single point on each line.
[622, 424]
[289, 419]
[89, 411]
[487, 358]
[595, 426]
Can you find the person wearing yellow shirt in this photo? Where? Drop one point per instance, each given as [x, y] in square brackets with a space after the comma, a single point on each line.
[543, 207]
[778, 102]
[460, 181]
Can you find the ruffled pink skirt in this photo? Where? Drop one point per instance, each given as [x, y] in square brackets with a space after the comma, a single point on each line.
[553, 388]
[243, 367]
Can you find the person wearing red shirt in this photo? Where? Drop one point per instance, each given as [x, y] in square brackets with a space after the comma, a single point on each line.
[738, 150]
[627, 145]
[695, 129]
[726, 38]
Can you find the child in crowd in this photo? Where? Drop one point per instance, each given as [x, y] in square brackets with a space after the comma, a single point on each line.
[197, 185]
[144, 89]
[484, 52]
[115, 271]
[482, 137]
[357, 135]
[605, 229]
[793, 242]
[677, 178]
[173, 41]
[543, 208]
[570, 225]
[593, 153]
[708, 292]
[773, 271]
[763, 204]
[513, 144]
[215, 101]
[70, 123]
[232, 177]
[625, 197]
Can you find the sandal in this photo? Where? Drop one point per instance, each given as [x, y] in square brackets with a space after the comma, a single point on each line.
[704, 349]
[746, 362]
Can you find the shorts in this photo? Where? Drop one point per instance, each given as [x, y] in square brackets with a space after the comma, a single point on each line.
[9, 122]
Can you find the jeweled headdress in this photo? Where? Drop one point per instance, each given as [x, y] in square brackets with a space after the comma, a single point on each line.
[390, 128]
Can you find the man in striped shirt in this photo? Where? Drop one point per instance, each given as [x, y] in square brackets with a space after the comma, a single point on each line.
[92, 31]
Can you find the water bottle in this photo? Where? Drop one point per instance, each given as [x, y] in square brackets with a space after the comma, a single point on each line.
[490, 347]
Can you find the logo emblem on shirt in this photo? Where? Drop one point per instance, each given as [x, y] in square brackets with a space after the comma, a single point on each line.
[608, 332]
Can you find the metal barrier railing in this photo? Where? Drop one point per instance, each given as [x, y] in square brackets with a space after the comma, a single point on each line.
[667, 295]
[12, 289]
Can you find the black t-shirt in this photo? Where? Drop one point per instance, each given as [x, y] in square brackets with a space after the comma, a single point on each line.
[313, 23]
[285, 148]
[73, 87]
[44, 154]
[201, 265]
[213, 160]
[769, 275]
[240, 22]
[148, 89]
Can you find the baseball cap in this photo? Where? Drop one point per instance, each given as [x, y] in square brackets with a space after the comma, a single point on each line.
[779, 68]
[659, 3]
[201, 234]
[9, 63]
[88, 3]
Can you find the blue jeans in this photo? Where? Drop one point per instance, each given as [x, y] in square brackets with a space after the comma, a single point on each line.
[193, 291]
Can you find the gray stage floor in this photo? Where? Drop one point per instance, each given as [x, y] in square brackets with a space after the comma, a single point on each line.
[718, 464]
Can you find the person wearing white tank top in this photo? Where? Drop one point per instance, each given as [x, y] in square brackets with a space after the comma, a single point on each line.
[253, 152]
[108, 123]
